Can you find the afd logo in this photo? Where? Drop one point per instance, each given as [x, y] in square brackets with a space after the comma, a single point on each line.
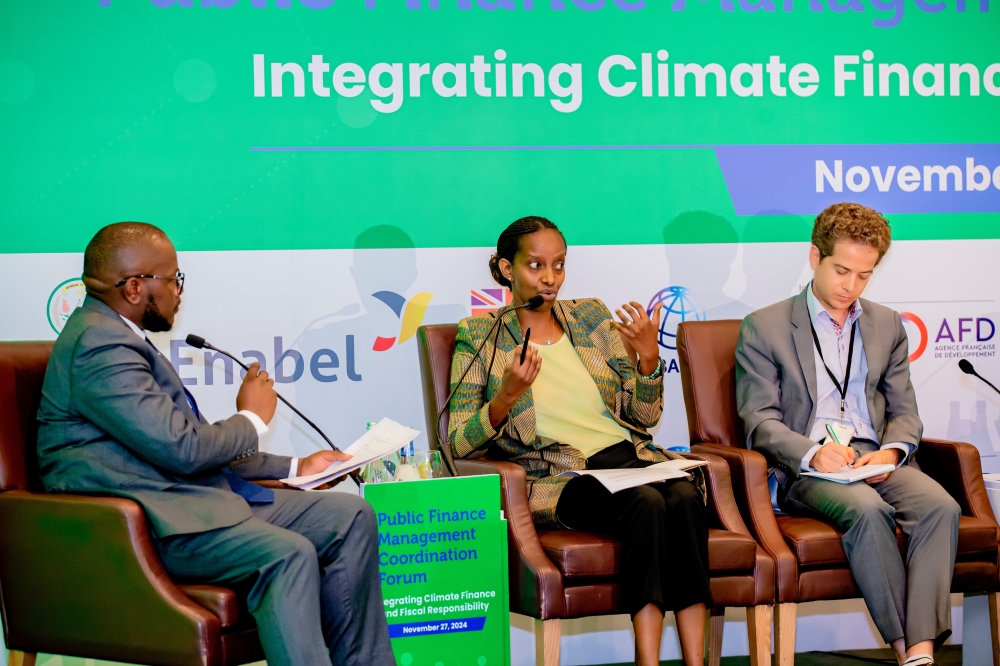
[411, 315]
[965, 337]
[961, 337]
[918, 323]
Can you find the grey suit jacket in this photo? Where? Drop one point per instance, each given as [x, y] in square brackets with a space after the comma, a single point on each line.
[776, 380]
[114, 419]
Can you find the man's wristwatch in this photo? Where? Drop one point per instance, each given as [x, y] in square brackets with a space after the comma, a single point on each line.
[657, 371]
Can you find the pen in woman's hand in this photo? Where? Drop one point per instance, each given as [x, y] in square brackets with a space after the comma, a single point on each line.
[524, 349]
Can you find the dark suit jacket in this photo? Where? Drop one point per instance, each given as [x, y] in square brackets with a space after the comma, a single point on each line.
[776, 380]
[114, 419]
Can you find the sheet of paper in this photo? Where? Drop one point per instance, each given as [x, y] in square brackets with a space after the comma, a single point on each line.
[616, 480]
[682, 464]
[382, 439]
[851, 474]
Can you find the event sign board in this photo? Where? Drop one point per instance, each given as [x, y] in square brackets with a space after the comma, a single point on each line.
[443, 565]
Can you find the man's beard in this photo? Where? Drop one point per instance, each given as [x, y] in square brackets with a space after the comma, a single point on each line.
[152, 320]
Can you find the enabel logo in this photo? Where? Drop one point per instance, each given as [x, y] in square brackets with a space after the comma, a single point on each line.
[910, 318]
[488, 300]
[411, 314]
[65, 298]
[678, 305]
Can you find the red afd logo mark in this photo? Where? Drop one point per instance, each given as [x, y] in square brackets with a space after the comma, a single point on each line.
[909, 317]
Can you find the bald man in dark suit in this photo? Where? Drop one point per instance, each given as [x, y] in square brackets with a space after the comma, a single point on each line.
[115, 418]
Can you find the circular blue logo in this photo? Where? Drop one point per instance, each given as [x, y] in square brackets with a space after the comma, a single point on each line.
[678, 306]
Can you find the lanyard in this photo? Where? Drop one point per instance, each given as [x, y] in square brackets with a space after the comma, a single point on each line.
[847, 375]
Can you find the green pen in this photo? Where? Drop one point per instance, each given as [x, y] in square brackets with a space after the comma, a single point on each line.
[833, 435]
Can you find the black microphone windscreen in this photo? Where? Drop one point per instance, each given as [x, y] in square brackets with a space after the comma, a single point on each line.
[196, 341]
[966, 367]
[533, 302]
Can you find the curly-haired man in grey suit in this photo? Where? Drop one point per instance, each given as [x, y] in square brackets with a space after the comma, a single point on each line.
[825, 360]
[115, 418]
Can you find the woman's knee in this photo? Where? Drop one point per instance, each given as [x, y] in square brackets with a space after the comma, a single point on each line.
[647, 500]
[683, 496]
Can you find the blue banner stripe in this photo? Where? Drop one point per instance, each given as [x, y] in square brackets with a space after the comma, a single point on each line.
[893, 178]
[434, 628]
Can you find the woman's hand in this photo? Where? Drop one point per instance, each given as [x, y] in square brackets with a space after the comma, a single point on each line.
[517, 379]
[640, 333]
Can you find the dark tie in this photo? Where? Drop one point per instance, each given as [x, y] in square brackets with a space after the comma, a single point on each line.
[251, 492]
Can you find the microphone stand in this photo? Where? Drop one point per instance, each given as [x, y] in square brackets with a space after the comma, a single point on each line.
[200, 343]
[965, 366]
[530, 304]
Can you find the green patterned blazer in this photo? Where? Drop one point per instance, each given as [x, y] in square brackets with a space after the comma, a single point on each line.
[634, 401]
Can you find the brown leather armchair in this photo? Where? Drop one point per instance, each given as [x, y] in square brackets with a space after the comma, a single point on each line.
[79, 574]
[563, 574]
[810, 562]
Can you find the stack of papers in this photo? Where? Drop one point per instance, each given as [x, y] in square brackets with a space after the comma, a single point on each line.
[616, 480]
[852, 474]
[382, 439]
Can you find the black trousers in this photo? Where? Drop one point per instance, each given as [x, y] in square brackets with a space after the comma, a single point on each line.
[661, 527]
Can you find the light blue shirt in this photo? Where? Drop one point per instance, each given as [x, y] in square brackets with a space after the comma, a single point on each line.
[835, 340]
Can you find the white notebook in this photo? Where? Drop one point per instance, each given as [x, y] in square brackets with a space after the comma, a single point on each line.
[851, 474]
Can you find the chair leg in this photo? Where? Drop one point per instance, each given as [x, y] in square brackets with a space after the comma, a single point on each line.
[784, 634]
[547, 635]
[15, 658]
[994, 602]
[759, 634]
[713, 637]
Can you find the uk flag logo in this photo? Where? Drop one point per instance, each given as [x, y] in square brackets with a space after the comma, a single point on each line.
[488, 300]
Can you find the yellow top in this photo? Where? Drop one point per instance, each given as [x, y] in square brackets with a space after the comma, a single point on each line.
[568, 406]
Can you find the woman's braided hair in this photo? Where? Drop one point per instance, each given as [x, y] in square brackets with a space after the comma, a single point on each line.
[510, 242]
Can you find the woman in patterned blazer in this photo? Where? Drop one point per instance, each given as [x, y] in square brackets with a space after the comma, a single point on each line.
[587, 391]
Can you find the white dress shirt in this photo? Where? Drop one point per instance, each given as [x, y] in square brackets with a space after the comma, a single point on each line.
[256, 421]
[835, 341]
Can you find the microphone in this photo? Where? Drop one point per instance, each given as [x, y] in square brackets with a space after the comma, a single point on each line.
[967, 368]
[531, 304]
[199, 342]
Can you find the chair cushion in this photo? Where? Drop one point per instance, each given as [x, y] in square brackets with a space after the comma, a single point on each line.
[817, 544]
[814, 542]
[731, 552]
[221, 601]
[591, 555]
[976, 536]
[582, 554]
